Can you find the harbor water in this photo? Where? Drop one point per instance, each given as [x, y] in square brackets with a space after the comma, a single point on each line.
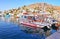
[13, 31]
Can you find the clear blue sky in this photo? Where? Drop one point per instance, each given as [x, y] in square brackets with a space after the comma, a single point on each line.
[8, 4]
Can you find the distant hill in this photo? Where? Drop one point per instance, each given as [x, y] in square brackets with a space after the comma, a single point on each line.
[38, 6]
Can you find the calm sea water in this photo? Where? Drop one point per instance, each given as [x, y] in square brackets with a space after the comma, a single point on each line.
[13, 31]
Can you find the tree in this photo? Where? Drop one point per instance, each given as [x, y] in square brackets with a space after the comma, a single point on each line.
[24, 7]
[50, 10]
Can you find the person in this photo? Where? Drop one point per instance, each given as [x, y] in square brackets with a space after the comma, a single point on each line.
[46, 31]
[45, 28]
[34, 18]
[53, 28]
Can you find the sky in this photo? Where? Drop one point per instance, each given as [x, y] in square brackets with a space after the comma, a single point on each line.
[9, 4]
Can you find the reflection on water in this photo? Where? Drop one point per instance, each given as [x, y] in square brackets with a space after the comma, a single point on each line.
[13, 31]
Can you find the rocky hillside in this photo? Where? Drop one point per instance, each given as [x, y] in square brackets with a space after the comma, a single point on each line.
[36, 6]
